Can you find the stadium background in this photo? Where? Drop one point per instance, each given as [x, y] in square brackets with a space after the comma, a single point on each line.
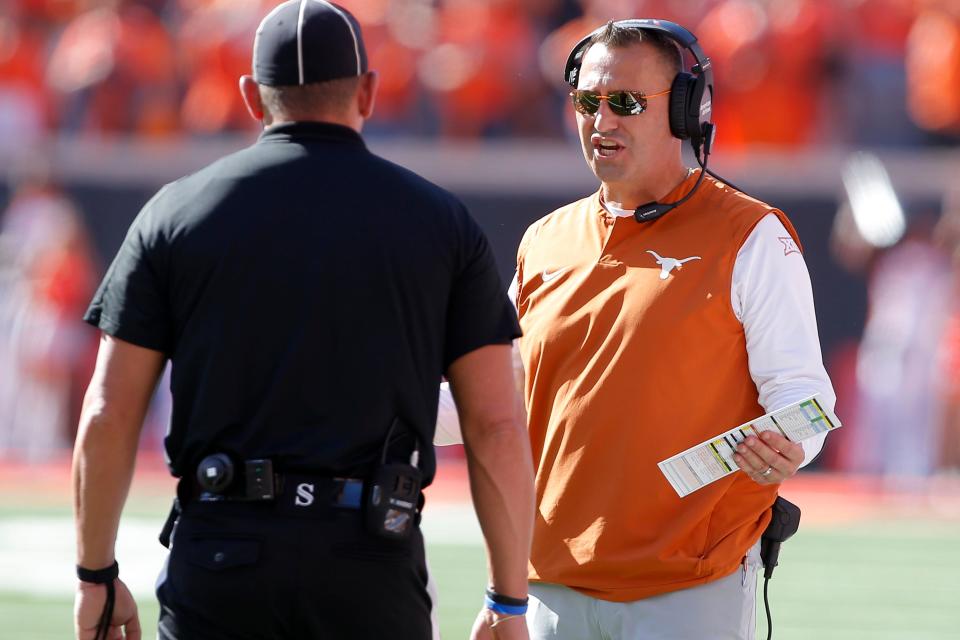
[846, 114]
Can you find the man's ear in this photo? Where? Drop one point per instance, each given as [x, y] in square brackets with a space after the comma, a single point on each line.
[250, 91]
[367, 93]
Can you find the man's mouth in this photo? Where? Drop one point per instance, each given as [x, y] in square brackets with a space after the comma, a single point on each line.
[606, 148]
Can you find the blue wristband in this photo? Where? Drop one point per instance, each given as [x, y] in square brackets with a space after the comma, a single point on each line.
[504, 609]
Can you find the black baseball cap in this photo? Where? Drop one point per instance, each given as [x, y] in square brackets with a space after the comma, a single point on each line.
[307, 41]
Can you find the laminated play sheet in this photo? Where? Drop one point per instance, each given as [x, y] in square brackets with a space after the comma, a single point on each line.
[711, 460]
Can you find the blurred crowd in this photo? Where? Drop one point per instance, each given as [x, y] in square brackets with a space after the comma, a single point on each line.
[788, 72]
[47, 275]
[898, 388]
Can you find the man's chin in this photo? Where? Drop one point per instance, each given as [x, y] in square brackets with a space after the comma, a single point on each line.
[607, 172]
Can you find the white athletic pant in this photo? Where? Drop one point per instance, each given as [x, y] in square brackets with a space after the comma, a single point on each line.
[724, 609]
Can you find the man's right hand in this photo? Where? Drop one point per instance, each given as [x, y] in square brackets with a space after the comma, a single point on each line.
[493, 626]
[88, 607]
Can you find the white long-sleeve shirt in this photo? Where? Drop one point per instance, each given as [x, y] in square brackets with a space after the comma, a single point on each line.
[772, 298]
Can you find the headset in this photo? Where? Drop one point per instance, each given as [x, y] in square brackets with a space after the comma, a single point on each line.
[691, 100]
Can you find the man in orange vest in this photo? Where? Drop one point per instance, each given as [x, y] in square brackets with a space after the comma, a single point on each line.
[656, 313]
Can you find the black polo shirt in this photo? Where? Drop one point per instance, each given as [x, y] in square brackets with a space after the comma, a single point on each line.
[306, 292]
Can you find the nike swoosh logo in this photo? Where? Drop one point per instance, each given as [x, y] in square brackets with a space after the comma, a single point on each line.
[550, 275]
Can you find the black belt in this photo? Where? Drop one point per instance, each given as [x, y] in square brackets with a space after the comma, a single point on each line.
[297, 494]
[291, 489]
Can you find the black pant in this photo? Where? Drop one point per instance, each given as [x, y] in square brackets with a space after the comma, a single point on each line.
[253, 571]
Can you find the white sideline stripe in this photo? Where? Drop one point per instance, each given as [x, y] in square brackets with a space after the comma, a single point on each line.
[38, 554]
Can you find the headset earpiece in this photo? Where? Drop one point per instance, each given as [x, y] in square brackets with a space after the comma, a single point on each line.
[680, 91]
[690, 107]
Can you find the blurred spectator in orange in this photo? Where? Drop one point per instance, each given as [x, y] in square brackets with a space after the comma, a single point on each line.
[45, 348]
[396, 35]
[54, 12]
[213, 47]
[875, 82]
[948, 237]
[24, 105]
[483, 68]
[469, 67]
[114, 68]
[770, 60]
[950, 440]
[933, 67]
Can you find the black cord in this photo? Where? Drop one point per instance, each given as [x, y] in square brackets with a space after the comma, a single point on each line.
[696, 185]
[766, 605]
[103, 626]
[386, 443]
[703, 147]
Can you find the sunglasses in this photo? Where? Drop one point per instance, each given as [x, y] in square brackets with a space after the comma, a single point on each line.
[622, 103]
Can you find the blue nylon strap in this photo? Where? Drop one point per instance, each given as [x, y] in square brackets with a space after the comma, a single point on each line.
[504, 609]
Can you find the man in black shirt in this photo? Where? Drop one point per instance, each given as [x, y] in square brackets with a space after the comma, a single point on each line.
[284, 283]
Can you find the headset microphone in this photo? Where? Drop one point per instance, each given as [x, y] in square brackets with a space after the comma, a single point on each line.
[652, 211]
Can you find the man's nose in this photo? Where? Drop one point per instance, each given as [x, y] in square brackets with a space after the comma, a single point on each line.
[605, 119]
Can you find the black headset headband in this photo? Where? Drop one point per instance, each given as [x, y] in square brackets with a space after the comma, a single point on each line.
[674, 31]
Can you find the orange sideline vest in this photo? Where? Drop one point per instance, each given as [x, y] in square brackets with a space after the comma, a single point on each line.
[629, 362]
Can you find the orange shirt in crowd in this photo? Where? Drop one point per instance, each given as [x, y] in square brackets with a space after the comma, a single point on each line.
[933, 70]
[628, 364]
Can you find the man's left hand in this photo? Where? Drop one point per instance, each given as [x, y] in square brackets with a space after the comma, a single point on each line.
[88, 607]
[769, 459]
[492, 626]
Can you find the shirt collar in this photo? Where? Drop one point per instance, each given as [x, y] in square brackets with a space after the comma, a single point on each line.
[325, 131]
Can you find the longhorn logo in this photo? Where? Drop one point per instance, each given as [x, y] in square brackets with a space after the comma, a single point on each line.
[669, 264]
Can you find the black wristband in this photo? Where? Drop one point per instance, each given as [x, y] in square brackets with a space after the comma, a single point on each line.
[100, 576]
[507, 600]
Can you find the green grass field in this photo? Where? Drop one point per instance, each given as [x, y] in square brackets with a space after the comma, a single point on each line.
[881, 575]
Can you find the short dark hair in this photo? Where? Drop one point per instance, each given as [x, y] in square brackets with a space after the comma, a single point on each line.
[617, 36]
[332, 96]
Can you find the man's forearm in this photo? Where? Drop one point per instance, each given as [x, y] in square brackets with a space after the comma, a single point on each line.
[448, 420]
[501, 481]
[103, 462]
[103, 457]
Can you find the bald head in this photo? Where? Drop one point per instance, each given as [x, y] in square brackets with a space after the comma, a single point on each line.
[304, 102]
[346, 101]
